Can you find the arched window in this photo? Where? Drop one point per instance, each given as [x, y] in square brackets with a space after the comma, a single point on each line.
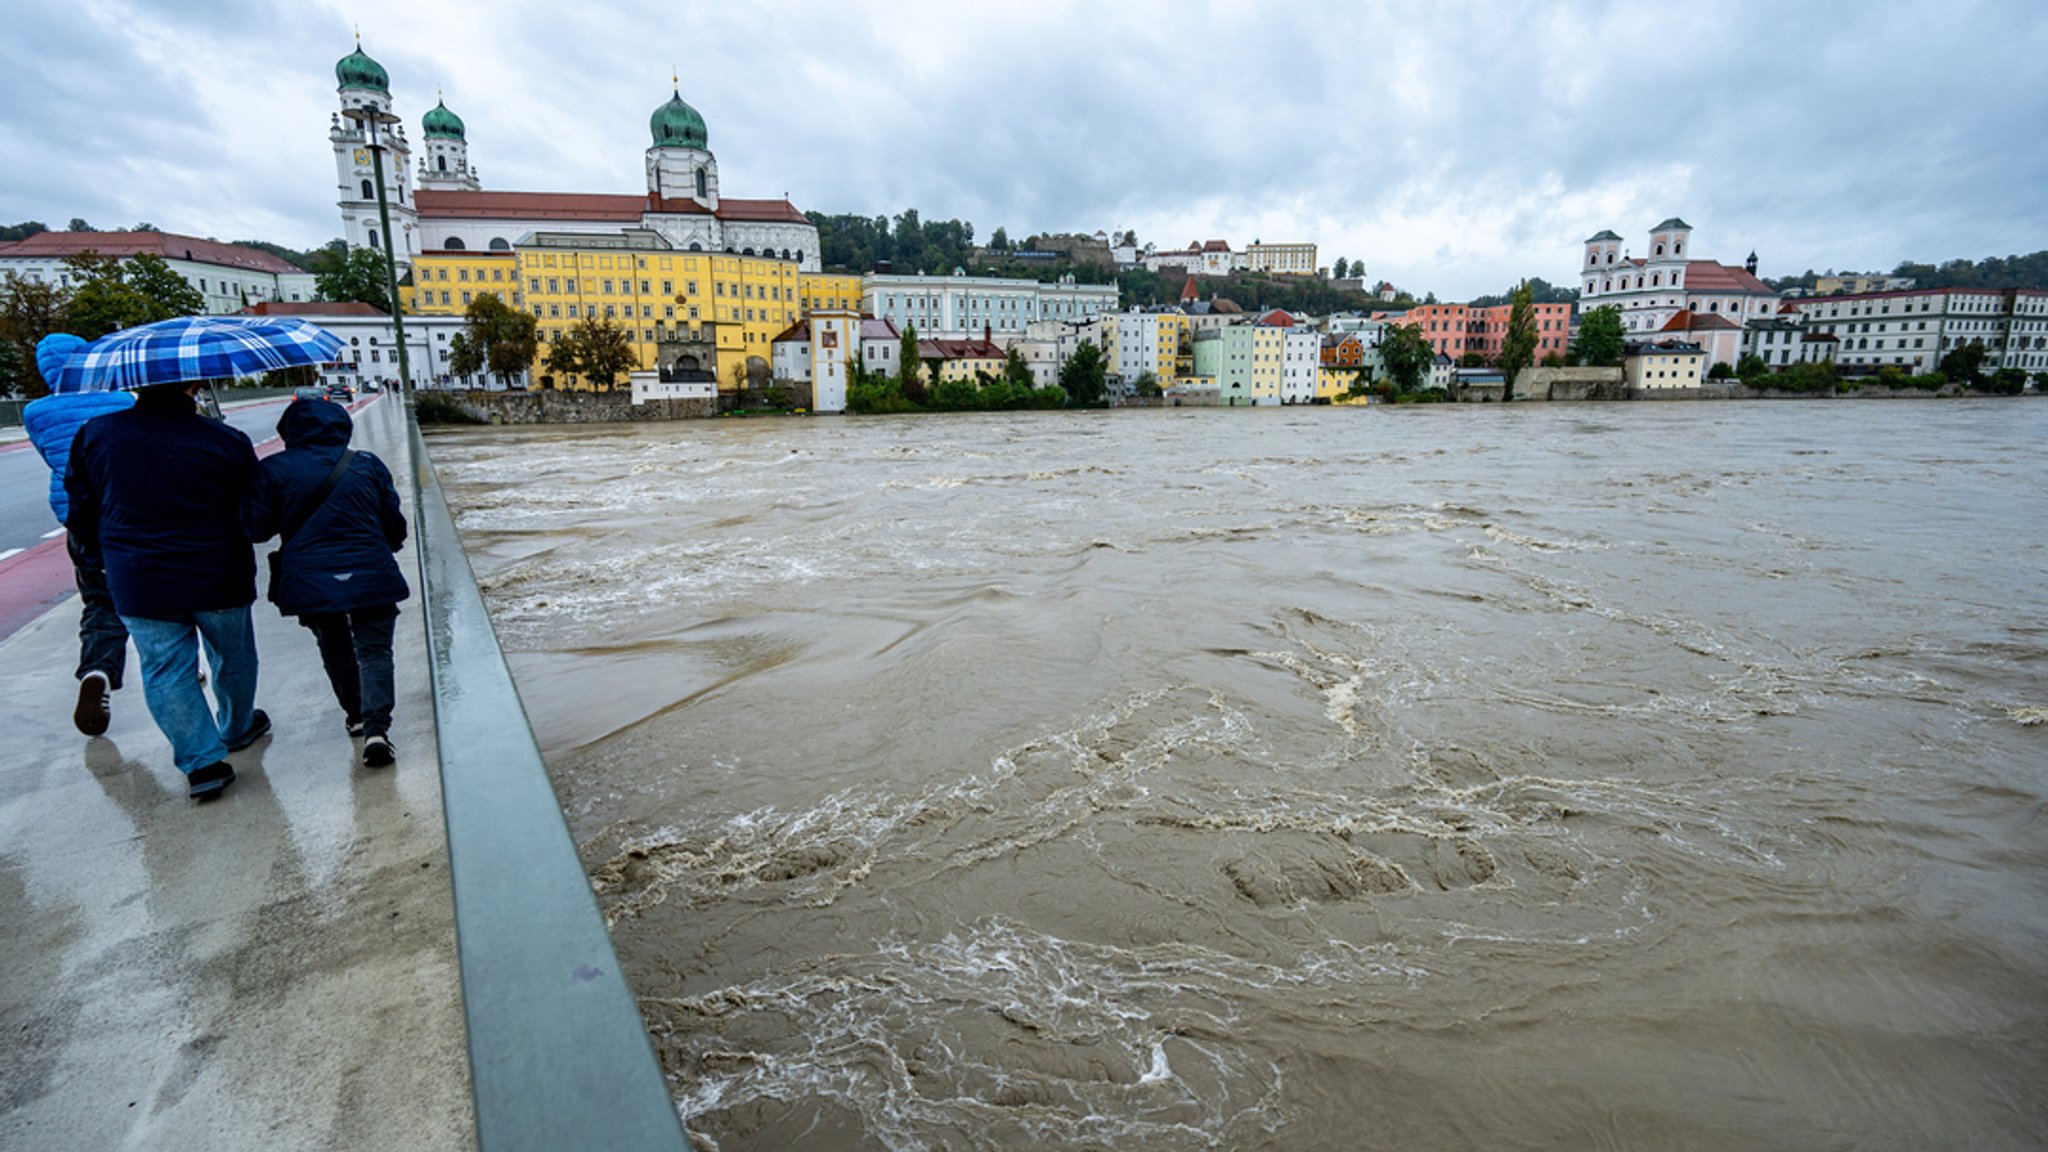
[1656, 279]
[454, 244]
[703, 184]
[696, 247]
[369, 191]
[441, 163]
[373, 237]
[785, 253]
[498, 244]
[746, 251]
[799, 254]
[1678, 247]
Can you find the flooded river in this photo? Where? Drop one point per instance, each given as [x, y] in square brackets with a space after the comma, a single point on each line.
[1610, 776]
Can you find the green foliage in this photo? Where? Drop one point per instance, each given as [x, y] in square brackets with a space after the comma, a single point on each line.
[1341, 269]
[29, 311]
[494, 336]
[1407, 356]
[1472, 360]
[298, 259]
[857, 243]
[1085, 376]
[2006, 382]
[12, 378]
[109, 294]
[1751, 366]
[1518, 346]
[1147, 384]
[22, 231]
[1601, 339]
[1541, 291]
[1820, 377]
[876, 395]
[1553, 360]
[433, 407]
[1253, 291]
[1893, 376]
[1722, 370]
[909, 369]
[600, 351]
[1965, 365]
[357, 275]
[2029, 271]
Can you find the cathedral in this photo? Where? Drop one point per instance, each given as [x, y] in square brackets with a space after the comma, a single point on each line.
[451, 210]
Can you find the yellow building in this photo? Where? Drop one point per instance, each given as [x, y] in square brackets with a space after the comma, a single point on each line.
[632, 278]
[1281, 259]
[1269, 356]
[833, 291]
[961, 359]
[1332, 381]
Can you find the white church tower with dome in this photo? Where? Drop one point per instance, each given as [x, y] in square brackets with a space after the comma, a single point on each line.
[446, 161]
[362, 83]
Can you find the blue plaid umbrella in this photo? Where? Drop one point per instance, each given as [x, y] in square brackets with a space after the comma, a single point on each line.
[195, 348]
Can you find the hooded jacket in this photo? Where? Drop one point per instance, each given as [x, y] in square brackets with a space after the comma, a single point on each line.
[52, 424]
[340, 559]
[157, 491]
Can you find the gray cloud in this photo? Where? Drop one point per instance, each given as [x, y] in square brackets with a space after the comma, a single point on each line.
[1453, 147]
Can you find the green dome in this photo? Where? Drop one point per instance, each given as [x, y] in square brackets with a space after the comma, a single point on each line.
[356, 70]
[677, 125]
[441, 124]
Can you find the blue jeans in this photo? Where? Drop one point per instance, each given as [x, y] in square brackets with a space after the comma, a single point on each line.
[355, 648]
[168, 651]
[102, 640]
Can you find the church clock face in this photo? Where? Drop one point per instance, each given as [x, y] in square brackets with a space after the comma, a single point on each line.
[362, 155]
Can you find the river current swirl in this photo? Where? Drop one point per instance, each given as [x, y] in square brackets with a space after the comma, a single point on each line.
[1594, 776]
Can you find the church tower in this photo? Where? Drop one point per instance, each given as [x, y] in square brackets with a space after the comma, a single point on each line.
[1603, 249]
[1669, 240]
[362, 83]
[446, 162]
[679, 164]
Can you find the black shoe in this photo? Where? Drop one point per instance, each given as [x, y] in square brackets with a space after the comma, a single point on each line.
[92, 713]
[378, 753]
[259, 727]
[355, 725]
[210, 781]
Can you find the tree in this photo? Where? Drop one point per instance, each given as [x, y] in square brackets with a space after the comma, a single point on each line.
[1084, 377]
[109, 294]
[23, 230]
[1407, 356]
[909, 369]
[1518, 347]
[999, 241]
[358, 275]
[1340, 269]
[1965, 365]
[1750, 366]
[29, 311]
[78, 224]
[1601, 339]
[600, 351]
[2007, 382]
[497, 337]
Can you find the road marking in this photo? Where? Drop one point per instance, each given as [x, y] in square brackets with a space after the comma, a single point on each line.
[53, 533]
[10, 554]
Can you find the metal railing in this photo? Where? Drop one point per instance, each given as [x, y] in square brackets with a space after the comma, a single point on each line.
[559, 1056]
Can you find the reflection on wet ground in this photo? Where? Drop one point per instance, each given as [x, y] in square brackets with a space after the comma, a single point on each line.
[1630, 776]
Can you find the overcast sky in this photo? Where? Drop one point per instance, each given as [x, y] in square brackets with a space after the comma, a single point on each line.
[1450, 147]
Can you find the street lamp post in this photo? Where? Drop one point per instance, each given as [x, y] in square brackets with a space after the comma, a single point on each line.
[370, 120]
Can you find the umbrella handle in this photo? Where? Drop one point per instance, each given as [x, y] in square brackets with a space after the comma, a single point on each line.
[213, 408]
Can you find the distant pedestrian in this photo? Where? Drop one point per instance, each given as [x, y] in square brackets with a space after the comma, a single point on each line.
[157, 491]
[52, 424]
[338, 516]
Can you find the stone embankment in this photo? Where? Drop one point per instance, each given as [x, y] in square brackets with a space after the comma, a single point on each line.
[570, 407]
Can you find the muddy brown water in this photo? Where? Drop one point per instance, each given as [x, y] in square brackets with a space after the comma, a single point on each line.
[1609, 776]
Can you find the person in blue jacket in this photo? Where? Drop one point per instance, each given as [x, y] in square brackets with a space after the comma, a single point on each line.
[52, 423]
[157, 491]
[336, 571]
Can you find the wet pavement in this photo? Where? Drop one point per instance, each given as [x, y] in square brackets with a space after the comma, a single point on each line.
[276, 969]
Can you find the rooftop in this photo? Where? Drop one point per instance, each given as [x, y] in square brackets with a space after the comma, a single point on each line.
[169, 245]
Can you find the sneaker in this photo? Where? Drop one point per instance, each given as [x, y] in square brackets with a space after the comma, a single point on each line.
[92, 713]
[210, 781]
[259, 727]
[378, 753]
[355, 726]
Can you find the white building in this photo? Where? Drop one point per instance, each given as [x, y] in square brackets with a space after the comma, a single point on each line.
[1784, 340]
[1281, 259]
[371, 356]
[1047, 345]
[1914, 329]
[816, 351]
[1301, 365]
[1208, 258]
[453, 212]
[1663, 367]
[228, 277]
[962, 307]
[1651, 290]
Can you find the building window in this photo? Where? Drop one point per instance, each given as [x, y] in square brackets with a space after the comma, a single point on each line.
[498, 244]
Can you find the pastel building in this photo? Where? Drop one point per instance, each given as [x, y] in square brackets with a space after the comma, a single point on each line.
[1152, 342]
[1914, 328]
[1246, 361]
[1666, 366]
[228, 277]
[963, 307]
[1281, 259]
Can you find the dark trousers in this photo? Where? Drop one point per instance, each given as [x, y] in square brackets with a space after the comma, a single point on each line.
[355, 648]
[102, 638]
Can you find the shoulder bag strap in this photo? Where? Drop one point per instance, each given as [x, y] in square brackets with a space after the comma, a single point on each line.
[312, 505]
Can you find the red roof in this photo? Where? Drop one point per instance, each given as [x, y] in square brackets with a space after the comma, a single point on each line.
[797, 332]
[873, 329]
[1277, 319]
[1216, 246]
[1688, 321]
[959, 350]
[169, 245]
[314, 308]
[1189, 292]
[1709, 276]
[588, 206]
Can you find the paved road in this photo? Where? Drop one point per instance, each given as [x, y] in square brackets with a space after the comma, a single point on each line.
[35, 571]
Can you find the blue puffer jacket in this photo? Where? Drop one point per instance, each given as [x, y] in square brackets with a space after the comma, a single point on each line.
[341, 557]
[53, 423]
[158, 490]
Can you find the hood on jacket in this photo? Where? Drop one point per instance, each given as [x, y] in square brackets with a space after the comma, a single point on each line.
[315, 424]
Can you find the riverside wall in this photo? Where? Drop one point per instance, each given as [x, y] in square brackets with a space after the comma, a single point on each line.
[575, 408]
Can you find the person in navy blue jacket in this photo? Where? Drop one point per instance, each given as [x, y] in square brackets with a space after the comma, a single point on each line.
[157, 491]
[52, 423]
[336, 572]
